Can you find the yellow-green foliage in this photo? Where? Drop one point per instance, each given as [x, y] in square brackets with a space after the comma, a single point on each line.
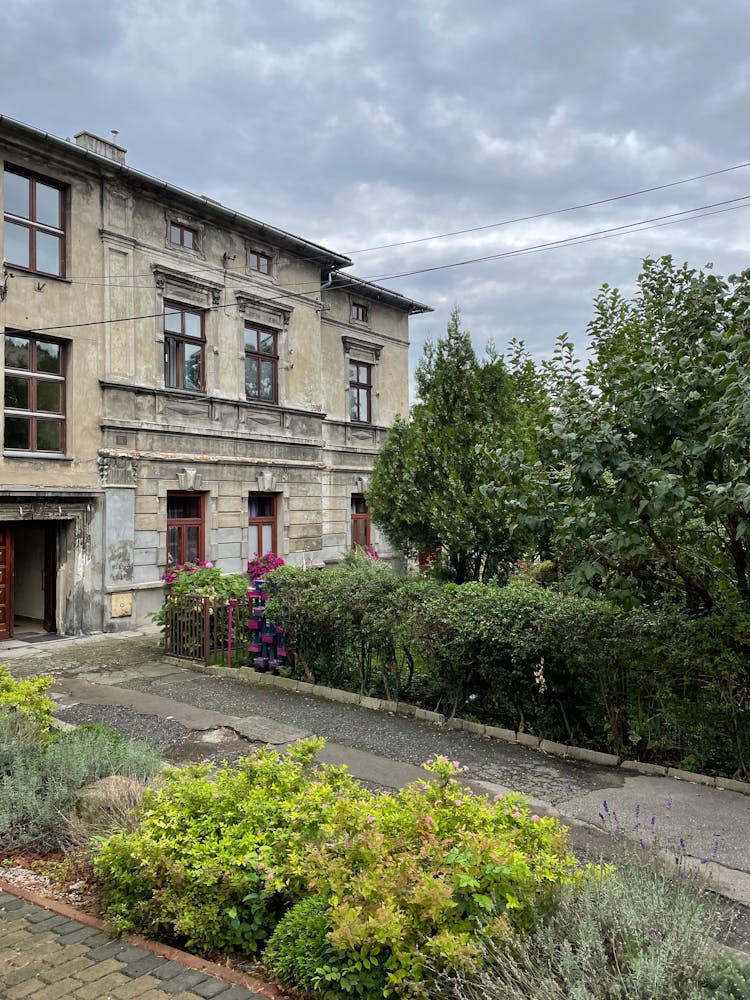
[401, 883]
[27, 698]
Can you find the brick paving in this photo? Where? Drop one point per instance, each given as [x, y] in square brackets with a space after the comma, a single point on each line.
[45, 956]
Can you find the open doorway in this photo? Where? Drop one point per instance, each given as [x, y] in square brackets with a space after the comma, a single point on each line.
[28, 580]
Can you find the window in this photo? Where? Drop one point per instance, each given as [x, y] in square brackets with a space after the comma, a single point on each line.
[261, 361]
[185, 528]
[34, 394]
[184, 344]
[360, 385]
[360, 522]
[359, 312]
[34, 233]
[261, 519]
[261, 262]
[183, 236]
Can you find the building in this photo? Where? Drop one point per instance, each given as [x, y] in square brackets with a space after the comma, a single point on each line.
[180, 382]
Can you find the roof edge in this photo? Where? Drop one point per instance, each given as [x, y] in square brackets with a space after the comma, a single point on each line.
[315, 251]
[339, 280]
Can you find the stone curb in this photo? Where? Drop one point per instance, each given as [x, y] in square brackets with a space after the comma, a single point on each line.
[250, 676]
[166, 951]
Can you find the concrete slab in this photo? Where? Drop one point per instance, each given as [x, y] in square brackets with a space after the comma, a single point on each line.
[257, 727]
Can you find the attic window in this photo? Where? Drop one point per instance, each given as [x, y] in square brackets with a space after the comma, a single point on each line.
[183, 236]
[359, 312]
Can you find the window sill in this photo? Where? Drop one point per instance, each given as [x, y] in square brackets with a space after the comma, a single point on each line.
[36, 274]
[38, 455]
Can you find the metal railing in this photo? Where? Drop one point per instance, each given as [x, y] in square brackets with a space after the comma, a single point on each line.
[201, 628]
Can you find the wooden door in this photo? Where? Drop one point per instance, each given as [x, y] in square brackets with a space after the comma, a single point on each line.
[6, 582]
[50, 577]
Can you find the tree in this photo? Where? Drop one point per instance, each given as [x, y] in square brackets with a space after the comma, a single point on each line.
[426, 491]
[650, 484]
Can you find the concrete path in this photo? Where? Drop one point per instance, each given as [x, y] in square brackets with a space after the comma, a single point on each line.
[47, 956]
[126, 682]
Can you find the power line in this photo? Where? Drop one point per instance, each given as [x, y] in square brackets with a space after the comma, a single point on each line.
[556, 211]
[569, 240]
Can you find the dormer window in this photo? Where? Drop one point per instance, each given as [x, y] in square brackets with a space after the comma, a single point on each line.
[260, 262]
[359, 312]
[183, 236]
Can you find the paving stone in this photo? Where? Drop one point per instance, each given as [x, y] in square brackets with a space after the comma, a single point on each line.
[112, 949]
[69, 968]
[99, 969]
[19, 974]
[78, 936]
[211, 988]
[60, 988]
[136, 989]
[146, 962]
[24, 989]
[236, 993]
[184, 982]
[51, 923]
[168, 970]
[102, 987]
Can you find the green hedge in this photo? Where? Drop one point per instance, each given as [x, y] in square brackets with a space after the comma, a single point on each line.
[651, 684]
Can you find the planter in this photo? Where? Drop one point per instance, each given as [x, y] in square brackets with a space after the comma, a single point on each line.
[281, 651]
[273, 666]
[268, 637]
[254, 595]
[253, 624]
[254, 647]
[261, 664]
[259, 611]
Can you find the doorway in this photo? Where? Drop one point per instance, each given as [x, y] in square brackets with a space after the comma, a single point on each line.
[28, 580]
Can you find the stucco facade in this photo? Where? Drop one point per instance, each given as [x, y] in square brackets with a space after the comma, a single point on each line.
[178, 380]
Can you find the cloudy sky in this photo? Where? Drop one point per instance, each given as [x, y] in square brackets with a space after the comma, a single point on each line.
[365, 123]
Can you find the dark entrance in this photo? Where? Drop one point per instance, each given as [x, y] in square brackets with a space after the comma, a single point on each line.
[28, 579]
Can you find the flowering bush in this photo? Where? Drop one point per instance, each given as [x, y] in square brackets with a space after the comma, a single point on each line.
[175, 573]
[383, 889]
[260, 566]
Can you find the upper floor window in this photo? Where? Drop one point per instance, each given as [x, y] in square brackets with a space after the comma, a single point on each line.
[261, 362]
[34, 231]
[261, 262]
[360, 388]
[34, 394]
[184, 347]
[359, 312]
[185, 528]
[183, 236]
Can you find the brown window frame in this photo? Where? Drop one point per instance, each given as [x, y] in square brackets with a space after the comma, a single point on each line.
[360, 517]
[34, 377]
[260, 520]
[180, 340]
[356, 386]
[360, 312]
[255, 260]
[36, 227]
[181, 231]
[181, 523]
[260, 356]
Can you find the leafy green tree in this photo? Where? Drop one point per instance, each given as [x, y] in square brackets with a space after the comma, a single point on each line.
[649, 482]
[426, 491]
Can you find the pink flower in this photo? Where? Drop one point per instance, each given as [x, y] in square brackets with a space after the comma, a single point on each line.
[428, 821]
[535, 818]
[370, 819]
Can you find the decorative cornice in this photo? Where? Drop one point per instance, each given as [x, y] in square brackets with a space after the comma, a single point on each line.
[351, 343]
[245, 299]
[168, 276]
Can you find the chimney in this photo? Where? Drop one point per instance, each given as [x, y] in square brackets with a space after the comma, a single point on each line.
[102, 147]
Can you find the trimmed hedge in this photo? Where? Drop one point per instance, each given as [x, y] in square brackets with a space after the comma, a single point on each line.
[651, 684]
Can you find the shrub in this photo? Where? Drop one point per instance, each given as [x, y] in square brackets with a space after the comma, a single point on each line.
[728, 979]
[38, 782]
[300, 953]
[634, 933]
[27, 698]
[387, 883]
